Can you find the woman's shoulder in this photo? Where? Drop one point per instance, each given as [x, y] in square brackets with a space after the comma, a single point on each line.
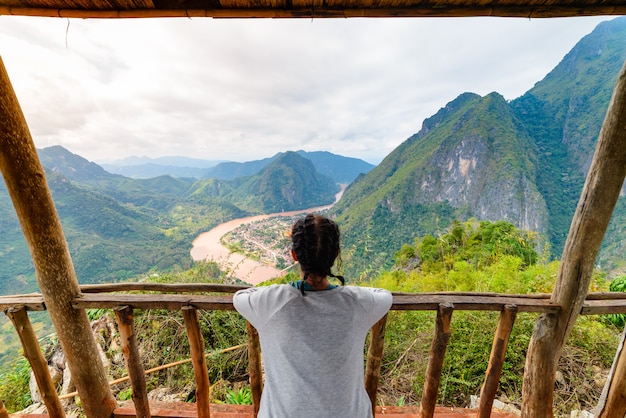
[369, 293]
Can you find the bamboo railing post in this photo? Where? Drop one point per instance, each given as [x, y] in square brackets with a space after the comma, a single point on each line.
[612, 402]
[196, 345]
[374, 359]
[593, 213]
[435, 362]
[254, 365]
[26, 183]
[496, 360]
[124, 316]
[38, 363]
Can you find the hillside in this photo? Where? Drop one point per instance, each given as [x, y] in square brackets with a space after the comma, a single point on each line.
[118, 227]
[483, 157]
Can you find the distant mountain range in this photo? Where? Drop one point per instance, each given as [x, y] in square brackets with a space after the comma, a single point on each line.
[522, 161]
[341, 169]
[118, 227]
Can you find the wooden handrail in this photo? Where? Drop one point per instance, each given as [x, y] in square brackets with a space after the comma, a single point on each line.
[191, 297]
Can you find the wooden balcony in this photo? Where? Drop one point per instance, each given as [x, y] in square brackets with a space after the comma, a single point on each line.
[189, 298]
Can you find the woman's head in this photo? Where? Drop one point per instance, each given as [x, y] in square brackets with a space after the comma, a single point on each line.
[315, 243]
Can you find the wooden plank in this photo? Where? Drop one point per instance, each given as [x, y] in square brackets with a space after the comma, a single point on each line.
[141, 301]
[29, 302]
[374, 359]
[435, 362]
[496, 360]
[420, 302]
[224, 302]
[38, 363]
[600, 193]
[130, 348]
[161, 287]
[201, 373]
[254, 367]
[26, 183]
[240, 12]
[612, 402]
[601, 307]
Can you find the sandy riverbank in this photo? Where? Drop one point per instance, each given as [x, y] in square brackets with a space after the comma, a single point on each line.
[207, 246]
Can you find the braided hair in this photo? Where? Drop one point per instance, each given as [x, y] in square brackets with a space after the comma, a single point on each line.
[315, 241]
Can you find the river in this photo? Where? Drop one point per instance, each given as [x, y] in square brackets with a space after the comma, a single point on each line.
[207, 247]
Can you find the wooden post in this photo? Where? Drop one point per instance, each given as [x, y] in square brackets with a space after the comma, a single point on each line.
[496, 360]
[599, 196]
[435, 362]
[612, 403]
[38, 363]
[26, 182]
[374, 359]
[196, 345]
[254, 365]
[124, 316]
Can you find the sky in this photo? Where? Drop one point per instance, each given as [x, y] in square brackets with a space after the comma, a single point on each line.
[242, 90]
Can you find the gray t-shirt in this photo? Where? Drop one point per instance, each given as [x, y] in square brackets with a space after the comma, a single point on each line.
[313, 348]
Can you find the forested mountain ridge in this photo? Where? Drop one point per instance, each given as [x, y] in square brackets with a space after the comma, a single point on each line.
[117, 227]
[483, 157]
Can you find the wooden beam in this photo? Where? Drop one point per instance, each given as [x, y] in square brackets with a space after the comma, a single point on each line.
[254, 367]
[200, 371]
[161, 287]
[599, 196]
[130, 349]
[374, 359]
[612, 402]
[526, 12]
[141, 301]
[435, 361]
[496, 360]
[417, 302]
[26, 183]
[38, 363]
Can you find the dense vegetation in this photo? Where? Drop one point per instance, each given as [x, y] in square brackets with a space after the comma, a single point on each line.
[468, 256]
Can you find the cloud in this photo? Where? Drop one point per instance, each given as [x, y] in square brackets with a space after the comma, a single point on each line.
[246, 89]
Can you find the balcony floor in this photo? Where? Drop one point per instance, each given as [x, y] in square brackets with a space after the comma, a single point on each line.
[188, 410]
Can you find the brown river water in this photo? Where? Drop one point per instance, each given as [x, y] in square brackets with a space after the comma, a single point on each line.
[207, 247]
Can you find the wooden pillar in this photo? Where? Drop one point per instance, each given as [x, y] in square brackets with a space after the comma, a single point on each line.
[496, 360]
[38, 363]
[254, 365]
[26, 182]
[612, 403]
[201, 373]
[435, 362]
[599, 196]
[374, 359]
[130, 349]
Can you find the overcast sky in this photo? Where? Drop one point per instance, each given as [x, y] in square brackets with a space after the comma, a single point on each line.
[245, 89]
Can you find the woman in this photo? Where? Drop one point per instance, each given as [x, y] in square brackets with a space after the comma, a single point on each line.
[312, 332]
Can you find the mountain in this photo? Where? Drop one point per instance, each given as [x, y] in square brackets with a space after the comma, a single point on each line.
[483, 157]
[563, 114]
[339, 168]
[118, 227]
[290, 182]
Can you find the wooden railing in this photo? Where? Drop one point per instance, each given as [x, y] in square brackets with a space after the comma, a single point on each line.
[189, 298]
